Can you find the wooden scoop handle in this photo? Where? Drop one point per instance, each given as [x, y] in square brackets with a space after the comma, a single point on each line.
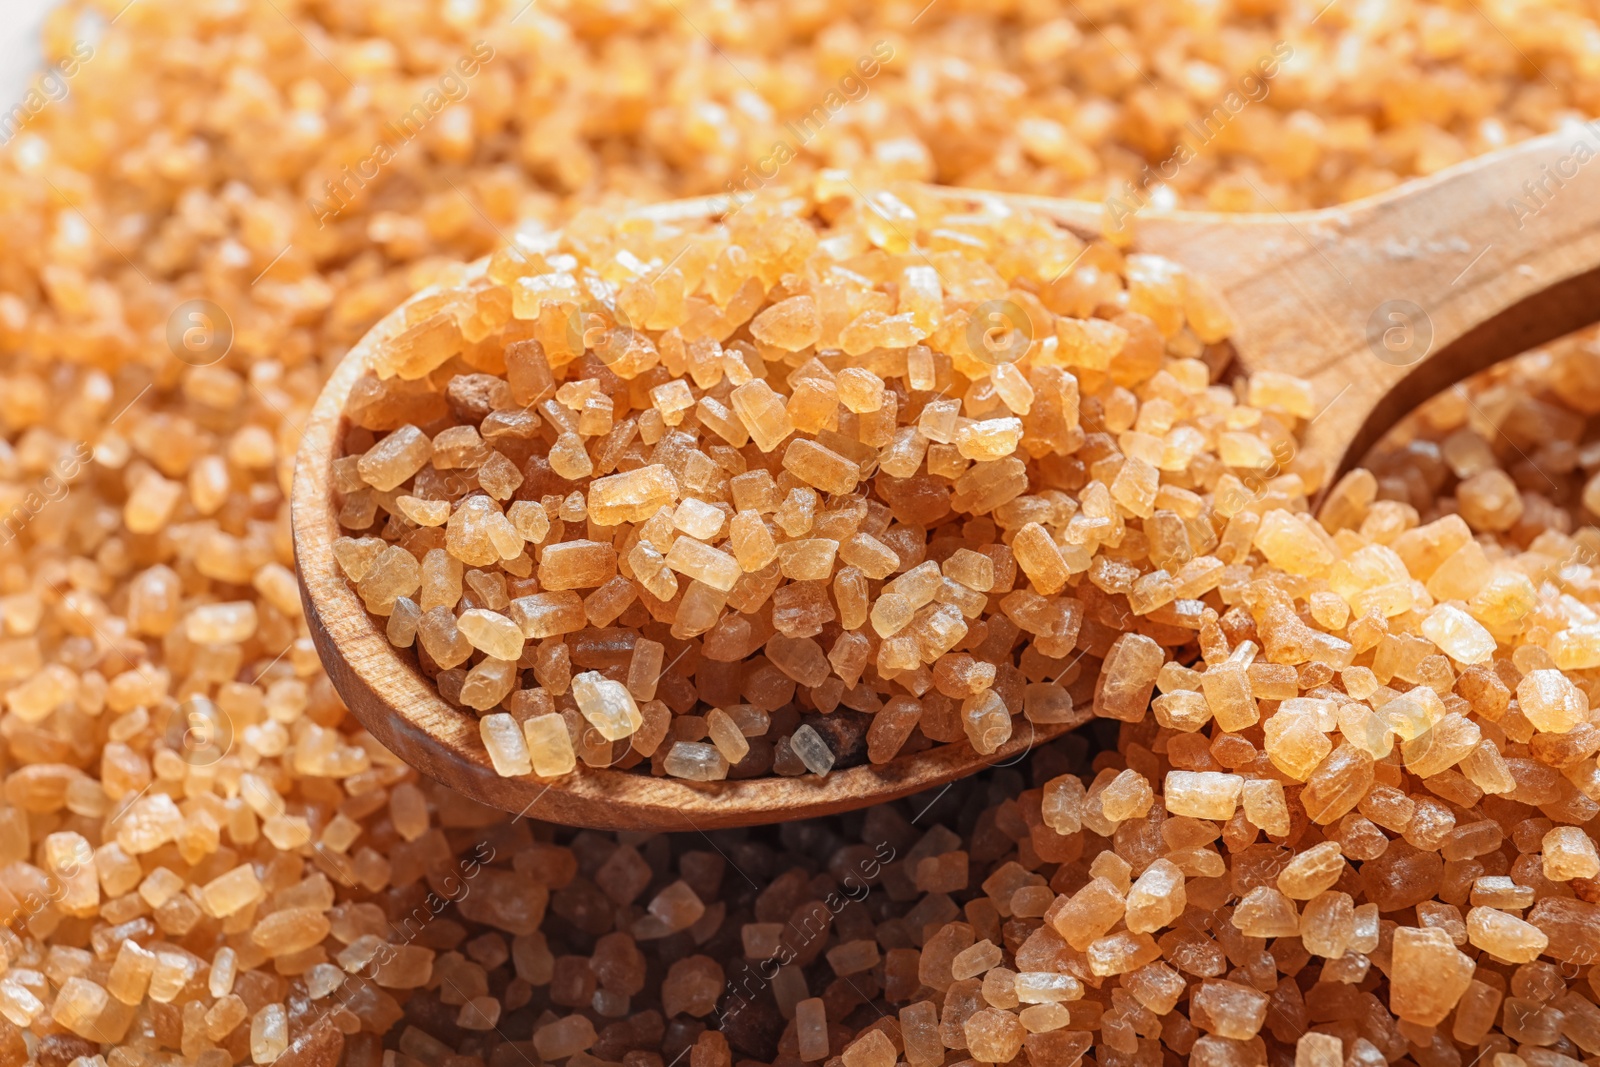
[1386, 301]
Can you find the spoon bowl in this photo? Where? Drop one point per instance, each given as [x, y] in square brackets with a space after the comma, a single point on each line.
[385, 690]
[1379, 304]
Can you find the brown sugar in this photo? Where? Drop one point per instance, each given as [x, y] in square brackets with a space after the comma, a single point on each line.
[721, 508]
[165, 711]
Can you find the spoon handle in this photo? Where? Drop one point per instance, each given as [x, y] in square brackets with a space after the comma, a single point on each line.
[1384, 302]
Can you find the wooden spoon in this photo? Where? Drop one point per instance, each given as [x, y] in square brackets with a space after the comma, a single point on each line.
[1379, 304]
